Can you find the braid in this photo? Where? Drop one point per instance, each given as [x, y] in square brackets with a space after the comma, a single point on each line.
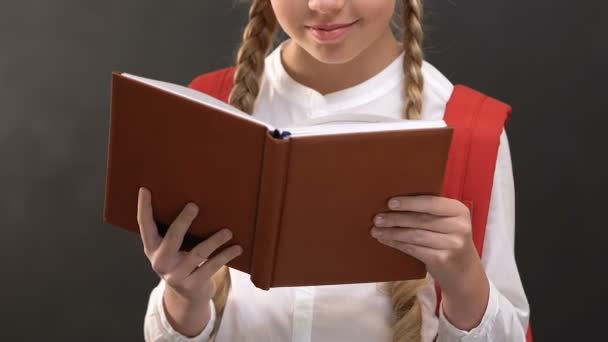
[406, 309]
[412, 64]
[257, 41]
[403, 294]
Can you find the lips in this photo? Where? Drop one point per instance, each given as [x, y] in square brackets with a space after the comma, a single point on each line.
[330, 27]
[330, 33]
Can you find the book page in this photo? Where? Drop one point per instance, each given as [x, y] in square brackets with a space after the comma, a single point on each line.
[359, 123]
[326, 125]
[197, 96]
[331, 129]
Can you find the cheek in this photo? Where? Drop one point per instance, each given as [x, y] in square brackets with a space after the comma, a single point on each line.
[378, 13]
[290, 14]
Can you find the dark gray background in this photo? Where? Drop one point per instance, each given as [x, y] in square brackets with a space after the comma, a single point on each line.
[67, 276]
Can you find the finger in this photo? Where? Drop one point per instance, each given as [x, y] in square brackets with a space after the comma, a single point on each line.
[177, 230]
[434, 205]
[414, 220]
[418, 237]
[425, 254]
[201, 252]
[147, 227]
[211, 266]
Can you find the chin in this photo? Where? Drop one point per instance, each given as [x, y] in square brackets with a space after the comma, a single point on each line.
[333, 53]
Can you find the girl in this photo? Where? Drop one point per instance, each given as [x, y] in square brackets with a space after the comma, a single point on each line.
[343, 57]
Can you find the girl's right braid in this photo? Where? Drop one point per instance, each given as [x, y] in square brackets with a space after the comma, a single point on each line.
[257, 42]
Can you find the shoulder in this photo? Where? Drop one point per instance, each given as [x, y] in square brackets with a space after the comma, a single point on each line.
[436, 92]
[452, 102]
[442, 97]
[436, 83]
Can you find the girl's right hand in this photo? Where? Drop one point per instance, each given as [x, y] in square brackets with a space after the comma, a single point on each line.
[180, 270]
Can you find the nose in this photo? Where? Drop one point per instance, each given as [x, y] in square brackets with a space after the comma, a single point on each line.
[326, 6]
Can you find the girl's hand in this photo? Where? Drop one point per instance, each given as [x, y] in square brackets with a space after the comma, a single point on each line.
[188, 275]
[179, 269]
[438, 232]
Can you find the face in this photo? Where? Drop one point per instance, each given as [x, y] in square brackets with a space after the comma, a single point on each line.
[335, 31]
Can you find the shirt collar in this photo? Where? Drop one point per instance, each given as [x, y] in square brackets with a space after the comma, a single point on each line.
[318, 104]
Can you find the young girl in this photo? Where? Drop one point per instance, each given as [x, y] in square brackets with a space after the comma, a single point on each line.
[343, 57]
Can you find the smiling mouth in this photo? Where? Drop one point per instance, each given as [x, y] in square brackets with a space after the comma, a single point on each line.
[331, 27]
[330, 33]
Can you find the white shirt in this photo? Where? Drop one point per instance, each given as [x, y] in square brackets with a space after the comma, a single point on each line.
[359, 312]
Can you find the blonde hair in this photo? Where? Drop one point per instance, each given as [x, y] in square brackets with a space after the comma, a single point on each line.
[257, 41]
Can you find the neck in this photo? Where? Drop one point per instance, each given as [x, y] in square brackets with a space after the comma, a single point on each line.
[305, 69]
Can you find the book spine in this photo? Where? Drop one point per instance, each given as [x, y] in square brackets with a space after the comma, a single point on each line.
[270, 208]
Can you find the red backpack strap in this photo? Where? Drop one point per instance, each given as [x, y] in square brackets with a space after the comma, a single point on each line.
[478, 121]
[217, 83]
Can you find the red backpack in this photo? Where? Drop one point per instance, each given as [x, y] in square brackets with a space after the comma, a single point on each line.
[478, 121]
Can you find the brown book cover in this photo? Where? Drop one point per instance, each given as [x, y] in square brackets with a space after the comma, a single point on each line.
[301, 205]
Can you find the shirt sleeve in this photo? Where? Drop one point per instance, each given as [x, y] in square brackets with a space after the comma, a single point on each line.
[157, 327]
[507, 313]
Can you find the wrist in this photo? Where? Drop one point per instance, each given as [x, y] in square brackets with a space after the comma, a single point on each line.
[465, 303]
[188, 317]
[184, 300]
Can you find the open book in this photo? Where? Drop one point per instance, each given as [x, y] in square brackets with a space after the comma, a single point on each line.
[299, 200]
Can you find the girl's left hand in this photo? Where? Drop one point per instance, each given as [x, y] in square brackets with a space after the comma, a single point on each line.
[437, 231]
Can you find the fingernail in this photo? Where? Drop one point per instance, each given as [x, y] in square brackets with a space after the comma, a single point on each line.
[394, 204]
[379, 220]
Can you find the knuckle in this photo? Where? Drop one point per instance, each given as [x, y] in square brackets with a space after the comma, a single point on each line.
[405, 248]
[442, 258]
[417, 236]
[388, 234]
[201, 251]
[187, 286]
[466, 229]
[392, 220]
[158, 266]
[221, 237]
[209, 245]
[213, 264]
[170, 279]
[458, 243]
[420, 219]
[461, 225]
[171, 237]
[224, 257]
